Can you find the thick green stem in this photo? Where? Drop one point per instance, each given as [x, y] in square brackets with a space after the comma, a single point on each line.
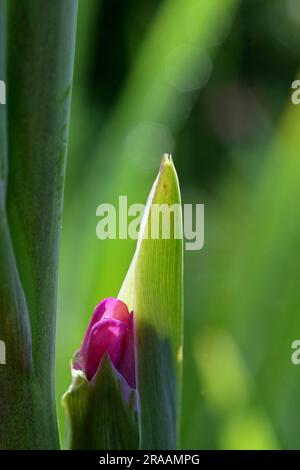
[21, 417]
[20, 406]
[41, 38]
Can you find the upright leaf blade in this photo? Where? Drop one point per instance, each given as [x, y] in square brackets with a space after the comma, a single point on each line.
[20, 411]
[153, 290]
[41, 38]
[22, 425]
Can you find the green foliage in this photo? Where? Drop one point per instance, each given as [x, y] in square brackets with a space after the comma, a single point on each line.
[37, 43]
[235, 153]
[101, 414]
[119, 153]
[153, 289]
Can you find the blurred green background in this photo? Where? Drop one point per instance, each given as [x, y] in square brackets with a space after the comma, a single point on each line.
[210, 82]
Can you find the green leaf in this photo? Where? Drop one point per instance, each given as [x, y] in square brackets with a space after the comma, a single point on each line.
[21, 417]
[100, 414]
[41, 39]
[153, 289]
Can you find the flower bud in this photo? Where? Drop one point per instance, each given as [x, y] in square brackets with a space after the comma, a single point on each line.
[110, 331]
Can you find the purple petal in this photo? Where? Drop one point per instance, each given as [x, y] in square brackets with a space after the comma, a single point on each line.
[110, 330]
[126, 364]
[106, 336]
[97, 315]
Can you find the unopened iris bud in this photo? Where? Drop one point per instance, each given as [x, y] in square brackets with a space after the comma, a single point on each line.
[110, 331]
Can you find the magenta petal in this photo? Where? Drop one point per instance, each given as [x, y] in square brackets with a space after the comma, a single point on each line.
[97, 315]
[126, 362]
[110, 331]
[116, 309]
[106, 336]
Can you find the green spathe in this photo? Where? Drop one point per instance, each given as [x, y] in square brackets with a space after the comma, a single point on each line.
[153, 289]
[100, 414]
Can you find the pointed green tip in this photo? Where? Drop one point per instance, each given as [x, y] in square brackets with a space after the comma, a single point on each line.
[166, 160]
[166, 187]
[153, 289]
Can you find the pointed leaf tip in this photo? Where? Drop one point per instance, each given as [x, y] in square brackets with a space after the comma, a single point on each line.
[153, 288]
